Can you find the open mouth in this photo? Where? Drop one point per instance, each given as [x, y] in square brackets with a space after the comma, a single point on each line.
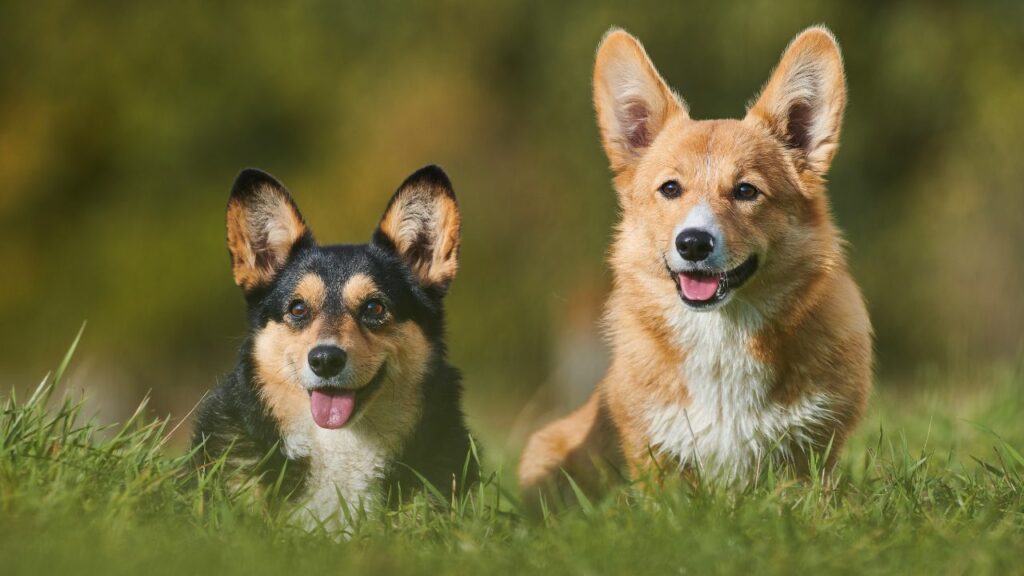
[333, 407]
[701, 289]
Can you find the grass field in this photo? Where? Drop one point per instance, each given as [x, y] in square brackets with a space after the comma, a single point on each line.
[932, 483]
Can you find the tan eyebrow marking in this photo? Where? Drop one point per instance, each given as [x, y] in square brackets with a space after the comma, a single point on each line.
[357, 289]
[312, 289]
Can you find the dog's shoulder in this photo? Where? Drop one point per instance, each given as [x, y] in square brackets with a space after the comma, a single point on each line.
[232, 423]
[438, 450]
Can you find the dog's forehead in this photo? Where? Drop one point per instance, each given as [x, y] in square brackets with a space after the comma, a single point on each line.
[714, 145]
[710, 154]
[337, 270]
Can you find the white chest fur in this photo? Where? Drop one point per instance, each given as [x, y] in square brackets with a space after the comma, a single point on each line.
[730, 427]
[345, 466]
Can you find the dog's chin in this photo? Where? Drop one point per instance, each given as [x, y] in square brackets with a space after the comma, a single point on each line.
[705, 290]
[334, 403]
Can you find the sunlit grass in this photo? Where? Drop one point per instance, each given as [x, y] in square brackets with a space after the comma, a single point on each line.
[932, 483]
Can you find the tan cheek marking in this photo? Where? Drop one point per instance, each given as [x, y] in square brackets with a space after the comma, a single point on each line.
[312, 290]
[279, 356]
[403, 346]
[411, 351]
[400, 401]
[363, 356]
[358, 288]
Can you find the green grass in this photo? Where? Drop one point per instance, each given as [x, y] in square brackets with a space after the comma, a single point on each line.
[932, 483]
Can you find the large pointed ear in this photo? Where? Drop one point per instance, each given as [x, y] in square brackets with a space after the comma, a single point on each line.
[421, 225]
[264, 226]
[802, 104]
[633, 103]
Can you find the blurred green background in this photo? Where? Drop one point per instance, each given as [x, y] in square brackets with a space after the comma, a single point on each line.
[122, 125]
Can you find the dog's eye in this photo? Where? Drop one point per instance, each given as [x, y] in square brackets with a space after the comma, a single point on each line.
[744, 191]
[298, 309]
[671, 189]
[374, 312]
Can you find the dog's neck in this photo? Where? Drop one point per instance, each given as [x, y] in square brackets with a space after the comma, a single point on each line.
[723, 416]
[346, 466]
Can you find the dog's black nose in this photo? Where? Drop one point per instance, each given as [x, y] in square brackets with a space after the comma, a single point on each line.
[327, 361]
[695, 245]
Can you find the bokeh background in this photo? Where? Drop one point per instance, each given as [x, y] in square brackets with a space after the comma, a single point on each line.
[122, 125]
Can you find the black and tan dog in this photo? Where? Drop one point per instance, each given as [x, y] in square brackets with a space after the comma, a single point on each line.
[342, 384]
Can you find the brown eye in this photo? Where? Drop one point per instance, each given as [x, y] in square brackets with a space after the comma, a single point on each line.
[298, 309]
[374, 313]
[671, 189]
[745, 191]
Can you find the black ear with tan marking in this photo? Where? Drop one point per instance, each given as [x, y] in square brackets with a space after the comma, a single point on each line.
[421, 225]
[802, 104]
[264, 225]
[633, 103]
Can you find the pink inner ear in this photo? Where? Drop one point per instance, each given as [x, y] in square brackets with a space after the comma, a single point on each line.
[798, 126]
[635, 118]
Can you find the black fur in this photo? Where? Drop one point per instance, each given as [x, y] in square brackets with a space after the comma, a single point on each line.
[234, 419]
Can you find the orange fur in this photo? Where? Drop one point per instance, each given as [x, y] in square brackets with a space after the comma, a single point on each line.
[798, 329]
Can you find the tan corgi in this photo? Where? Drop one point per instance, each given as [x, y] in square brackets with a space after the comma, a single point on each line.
[739, 338]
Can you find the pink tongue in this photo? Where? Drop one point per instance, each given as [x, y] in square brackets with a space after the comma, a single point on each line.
[698, 288]
[331, 411]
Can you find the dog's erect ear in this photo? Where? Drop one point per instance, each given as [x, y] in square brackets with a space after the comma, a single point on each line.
[633, 103]
[421, 225]
[264, 225]
[802, 103]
